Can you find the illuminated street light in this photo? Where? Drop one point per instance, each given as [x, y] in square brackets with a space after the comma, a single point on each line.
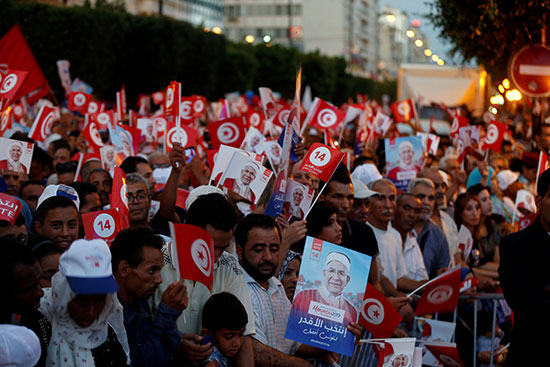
[217, 30]
[501, 88]
[440, 62]
[513, 95]
[410, 33]
[390, 18]
[206, 29]
[428, 52]
[418, 43]
[493, 110]
[267, 38]
[249, 38]
[435, 58]
[506, 83]
[498, 99]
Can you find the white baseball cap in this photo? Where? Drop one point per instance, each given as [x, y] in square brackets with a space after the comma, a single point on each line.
[87, 267]
[19, 346]
[361, 191]
[200, 191]
[506, 178]
[59, 190]
[366, 173]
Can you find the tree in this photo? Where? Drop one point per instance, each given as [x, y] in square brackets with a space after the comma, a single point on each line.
[490, 31]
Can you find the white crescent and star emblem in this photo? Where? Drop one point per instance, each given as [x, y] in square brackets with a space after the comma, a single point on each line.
[228, 133]
[201, 256]
[373, 311]
[47, 125]
[9, 82]
[327, 117]
[440, 294]
[176, 135]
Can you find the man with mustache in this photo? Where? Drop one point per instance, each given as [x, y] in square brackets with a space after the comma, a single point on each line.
[430, 237]
[137, 260]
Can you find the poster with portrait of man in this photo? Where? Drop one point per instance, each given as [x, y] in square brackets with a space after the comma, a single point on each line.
[123, 143]
[274, 152]
[15, 155]
[108, 158]
[148, 128]
[404, 158]
[298, 199]
[253, 141]
[329, 294]
[222, 158]
[245, 177]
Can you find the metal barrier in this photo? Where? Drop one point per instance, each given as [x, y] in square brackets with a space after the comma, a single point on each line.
[478, 297]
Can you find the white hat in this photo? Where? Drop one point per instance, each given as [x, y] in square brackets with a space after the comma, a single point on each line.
[200, 191]
[506, 178]
[366, 173]
[360, 190]
[445, 176]
[340, 257]
[59, 190]
[87, 267]
[19, 346]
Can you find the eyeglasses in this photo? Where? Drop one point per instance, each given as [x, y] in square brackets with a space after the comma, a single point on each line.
[163, 165]
[140, 198]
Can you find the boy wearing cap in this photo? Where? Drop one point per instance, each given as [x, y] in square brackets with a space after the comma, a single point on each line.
[57, 215]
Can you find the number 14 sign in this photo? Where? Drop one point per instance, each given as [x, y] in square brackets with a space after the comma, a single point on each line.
[321, 161]
[104, 224]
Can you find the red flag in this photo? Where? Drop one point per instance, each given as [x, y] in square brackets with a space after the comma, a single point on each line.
[441, 294]
[78, 102]
[11, 82]
[192, 253]
[228, 132]
[377, 314]
[9, 208]
[323, 115]
[119, 196]
[185, 135]
[95, 107]
[403, 111]
[458, 122]
[468, 284]
[255, 119]
[186, 110]
[495, 135]
[321, 161]
[281, 117]
[6, 120]
[445, 353]
[104, 119]
[527, 221]
[172, 100]
[543, 166]
[18, 112]
[181, 198]
[42, 126]
[16, 54]
[158, 97]
[91, 134]
[199, 106]
[104, 224]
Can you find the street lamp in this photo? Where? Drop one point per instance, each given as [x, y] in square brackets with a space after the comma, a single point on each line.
[390, 18]
[267, 38]
[249, 38]
[440, 62]
[428, 52]
[506, 83]
[435, 58]
[418, 43]
[513, 95]
[500, 88]
[410, 33]
[217, 30]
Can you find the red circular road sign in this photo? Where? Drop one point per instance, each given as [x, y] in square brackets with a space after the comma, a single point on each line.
[529, 70]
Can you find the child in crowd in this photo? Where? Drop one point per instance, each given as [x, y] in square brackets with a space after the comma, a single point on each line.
[224, 320]
[485, 325]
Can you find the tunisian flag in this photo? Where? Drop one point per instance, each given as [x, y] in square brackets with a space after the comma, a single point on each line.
[227, 132]
[323, 115]
[15, 53]
[192, 253]
[495, 135]
[445, 353]
[42, 126]
[440, 294]
[119, 196]
[403, 111]
[11, 82]
[377, 314]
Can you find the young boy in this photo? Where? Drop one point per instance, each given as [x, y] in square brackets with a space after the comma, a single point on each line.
[224, 320]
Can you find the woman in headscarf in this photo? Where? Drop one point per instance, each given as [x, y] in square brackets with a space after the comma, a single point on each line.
[84, 311]
[288, 274]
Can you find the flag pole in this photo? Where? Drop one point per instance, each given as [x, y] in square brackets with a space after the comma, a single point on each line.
[319, 194]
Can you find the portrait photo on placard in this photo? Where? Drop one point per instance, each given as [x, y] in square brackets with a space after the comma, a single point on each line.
[253, 141]
[245, 177]
[273, 151]
[108, 157]
[148, 129]
[223, 156]
[404, 158]
[298, 199]
[15, 155]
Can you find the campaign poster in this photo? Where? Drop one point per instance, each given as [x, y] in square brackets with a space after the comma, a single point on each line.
[148, 128]
[15, 155]
[123, 143]
[404, 158]
[108, 157]
[221, 160]
[253, 141]
[298, 199]
[329, 295]
[246, 177]
[273, 151]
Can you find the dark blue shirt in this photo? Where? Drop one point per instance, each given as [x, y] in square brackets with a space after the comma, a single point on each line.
[153, 341]
[435, 249]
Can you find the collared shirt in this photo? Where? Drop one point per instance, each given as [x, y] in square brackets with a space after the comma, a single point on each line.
[435, 250]
[152, 340]
[414, 262]
[390, 261]
[271, 311]
[228, 277]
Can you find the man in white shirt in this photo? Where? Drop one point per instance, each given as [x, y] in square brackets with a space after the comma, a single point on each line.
[408, 209]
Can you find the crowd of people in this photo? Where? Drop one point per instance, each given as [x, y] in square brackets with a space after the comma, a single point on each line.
[80, 302]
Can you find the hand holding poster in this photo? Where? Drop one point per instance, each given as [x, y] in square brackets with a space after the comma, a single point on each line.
[15, 155]
[403, 159]
[104, 224]
[329, 291]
